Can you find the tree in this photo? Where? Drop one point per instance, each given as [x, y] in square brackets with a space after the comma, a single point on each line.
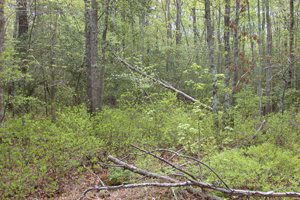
[95, 81]
[227, 56]
[269, 54]
[2, 34]
[235, 66]
[87, 59]
[210, 43]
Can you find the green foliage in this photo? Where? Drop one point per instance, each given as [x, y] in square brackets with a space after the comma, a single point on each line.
[40, 155]
[264, 167]
[148, 125]
[118, 176]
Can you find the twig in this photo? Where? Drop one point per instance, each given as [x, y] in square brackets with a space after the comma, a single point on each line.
[178, 184]
[260, 127]
[94, 174]
[174, 194]
[164, 160]
[198, 161]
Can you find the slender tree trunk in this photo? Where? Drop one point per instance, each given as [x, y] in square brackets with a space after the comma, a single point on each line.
[219, 40]
[260, 39]
[178, 22]
[95, 82]
[210, 42]
[227, 59]
[2, 34]
[195, 32]
[169, 37]
[269, 54]
[88, 55]
[52, 64]
[253, 62]
[22, 35]
[104, 52]
[292, 22]
[235, 52]
[142, 23]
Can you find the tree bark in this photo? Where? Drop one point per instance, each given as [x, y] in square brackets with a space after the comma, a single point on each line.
[52, 64]
[269, 54]
[259, 88]
[104, 52]
[195, 32]
[227, 58]
[88, 55]
[210, 42]
[292, 22]
[169, 37]
[235, 51]
[2, 34]
[95, 82]
[178, 22]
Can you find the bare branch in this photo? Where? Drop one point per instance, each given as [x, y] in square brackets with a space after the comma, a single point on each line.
[174, 183]
[198, 161]
[168, 185]
[102, 183]
[164, 160]
[161, 82]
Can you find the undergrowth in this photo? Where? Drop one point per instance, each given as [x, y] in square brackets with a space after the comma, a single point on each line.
[39, 156]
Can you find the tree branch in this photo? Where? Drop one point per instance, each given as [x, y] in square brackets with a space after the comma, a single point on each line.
[175, 183]
[161, 82]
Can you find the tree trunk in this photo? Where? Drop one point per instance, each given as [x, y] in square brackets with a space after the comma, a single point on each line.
[253, 62]
[88, 55]
[195, 32]
[269, 54]
[103, 52]
[259, 49]
[52, 64]
[210, 42]
[227, 59]
[95, 82]
[178, 22]
[235, 52]
[169, 37]
[22, 35]
[292, 22]
[2, 34]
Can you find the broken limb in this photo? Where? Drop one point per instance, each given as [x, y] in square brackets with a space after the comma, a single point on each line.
[163, 83]
[189, 183]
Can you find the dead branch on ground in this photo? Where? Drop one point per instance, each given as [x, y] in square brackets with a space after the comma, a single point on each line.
[188, 182]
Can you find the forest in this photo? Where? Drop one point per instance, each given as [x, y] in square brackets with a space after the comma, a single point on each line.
[149, 99]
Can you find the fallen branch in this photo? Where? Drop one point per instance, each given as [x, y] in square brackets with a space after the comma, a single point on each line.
[169, 185]
[163, 83]
[189, 157]
[157, 176]
[175, 183]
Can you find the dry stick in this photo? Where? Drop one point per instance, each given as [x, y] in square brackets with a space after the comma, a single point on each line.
[168, 185]
[187, 183]
[179, 151]
[260, 127]
[153, 175]
[164, 160]
[161, 82]
[189, 157]
[94, 175]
